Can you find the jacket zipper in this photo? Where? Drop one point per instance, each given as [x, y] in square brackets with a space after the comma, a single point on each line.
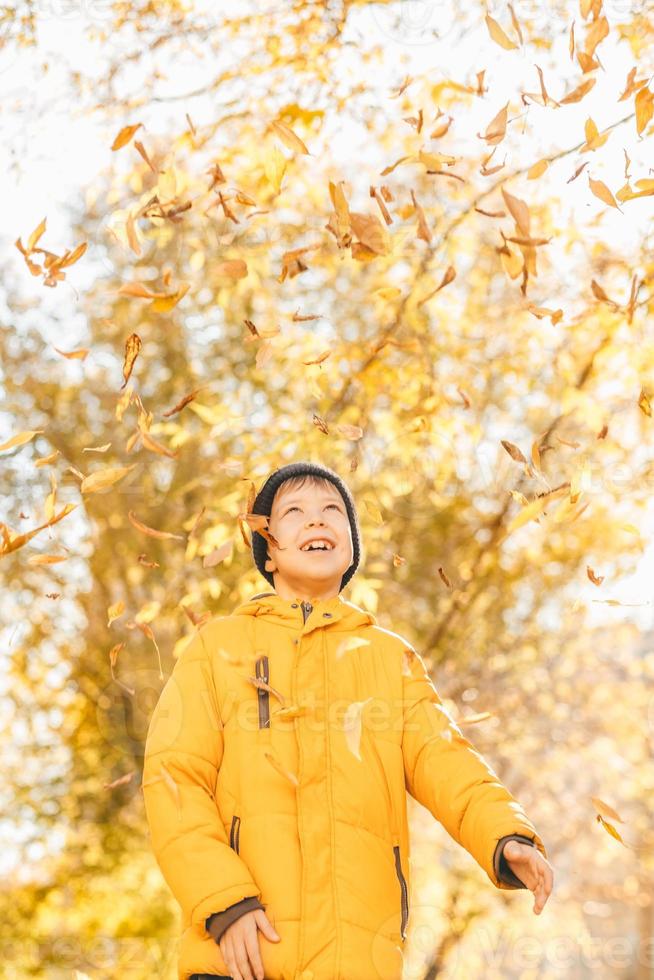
[404, 889]
[234, 833]
[262, 672]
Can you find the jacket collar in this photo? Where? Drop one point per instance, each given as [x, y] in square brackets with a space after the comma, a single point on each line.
[336, 612]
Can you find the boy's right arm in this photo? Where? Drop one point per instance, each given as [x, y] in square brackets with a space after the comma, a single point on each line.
[183, 752]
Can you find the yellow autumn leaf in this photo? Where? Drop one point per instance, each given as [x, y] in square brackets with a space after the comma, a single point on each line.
[275, 167]
[601, 191]
[102, 479]
[352, 726]
[351, 643]
[497, 34]
[20, 439]
[114, 611]
[276, 764]
[46, 559]
[288, 137]
[537, 170]
[373, 510]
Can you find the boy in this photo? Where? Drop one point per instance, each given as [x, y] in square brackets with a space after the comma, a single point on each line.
[279, 756]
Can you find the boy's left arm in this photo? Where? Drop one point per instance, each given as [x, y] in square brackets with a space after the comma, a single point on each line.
[445, 773]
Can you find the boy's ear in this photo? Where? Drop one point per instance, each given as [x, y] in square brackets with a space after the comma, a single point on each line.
[268, 562]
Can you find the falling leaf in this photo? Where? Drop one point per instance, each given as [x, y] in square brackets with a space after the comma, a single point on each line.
[496, 129]
[352, 432]
[21, 439]
[121, 781]
[114, 611]
[96, 449]
[231, 269]
[601, 191]
[537, 170]
[609, 828]
[605, 809]
[644, 403]
[288, 137]
[513, 451]
[150, 531]
[124, 136]
[157, 447]
[132, 347]
[74, 354]
[46, 559]
[218, 554]
[352, 726]
[275, 167]
[276, 764]
[577, 94]
[351, 643]
[263, 685]
[373, 510]
[475, 719]
[173, 787]
[443, 577]
[448, 277]
[519, 212]
[595, 579]
[12, 542]
[102, 479]
[498, 35]
[644, 109]
[593, 138]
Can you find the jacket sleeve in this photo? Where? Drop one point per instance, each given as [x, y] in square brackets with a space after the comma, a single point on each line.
[219, 922]
[183, 752]
[445, 773]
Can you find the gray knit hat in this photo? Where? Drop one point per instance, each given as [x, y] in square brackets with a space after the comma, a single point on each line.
[263, 505]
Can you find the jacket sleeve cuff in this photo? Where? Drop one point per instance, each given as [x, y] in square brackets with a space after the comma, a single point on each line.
[217, 923]
[502, 870]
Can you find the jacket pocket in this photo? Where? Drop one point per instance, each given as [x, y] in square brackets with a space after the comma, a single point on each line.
[263, 673]
[403, 888]
[234, 833]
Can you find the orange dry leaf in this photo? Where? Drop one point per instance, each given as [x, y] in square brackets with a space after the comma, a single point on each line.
[519, 212]
[496, 129]
[577, 94]
[601, 191]
[232, 269]
[12, 542]
[80, 354]
[150, 531]
[157, 447]
[132, 348]
[124, 136]
[595, 579]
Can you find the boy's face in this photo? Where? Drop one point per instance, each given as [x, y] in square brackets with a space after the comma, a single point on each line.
[298, 516]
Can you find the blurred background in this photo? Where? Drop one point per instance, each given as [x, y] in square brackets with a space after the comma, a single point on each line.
[412, 241]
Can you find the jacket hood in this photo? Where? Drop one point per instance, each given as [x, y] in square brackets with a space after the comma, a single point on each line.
[336, 612]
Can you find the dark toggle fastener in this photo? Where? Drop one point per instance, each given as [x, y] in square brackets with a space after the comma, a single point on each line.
[328, 615]
[294, 605]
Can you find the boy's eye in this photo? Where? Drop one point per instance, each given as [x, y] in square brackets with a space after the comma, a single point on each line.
[295, 507]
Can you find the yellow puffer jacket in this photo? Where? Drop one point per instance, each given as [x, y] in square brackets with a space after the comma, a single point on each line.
[276, 765]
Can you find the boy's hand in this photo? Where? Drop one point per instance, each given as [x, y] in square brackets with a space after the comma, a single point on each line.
[532, 869]
[239, 945]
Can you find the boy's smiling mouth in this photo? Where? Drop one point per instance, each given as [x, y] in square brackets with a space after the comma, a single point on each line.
[318, 545]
